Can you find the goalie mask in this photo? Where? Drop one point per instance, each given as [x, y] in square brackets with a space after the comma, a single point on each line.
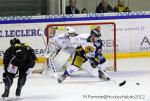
[70, 31]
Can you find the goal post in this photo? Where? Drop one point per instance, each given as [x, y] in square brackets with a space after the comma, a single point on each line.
[108, 36]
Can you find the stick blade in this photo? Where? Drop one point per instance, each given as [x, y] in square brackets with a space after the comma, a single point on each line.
[122, 83]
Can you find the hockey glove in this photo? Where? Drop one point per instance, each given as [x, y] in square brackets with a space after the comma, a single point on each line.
[12, 69]
[93, 65]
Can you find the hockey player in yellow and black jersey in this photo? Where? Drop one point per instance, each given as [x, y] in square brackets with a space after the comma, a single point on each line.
[79, 57]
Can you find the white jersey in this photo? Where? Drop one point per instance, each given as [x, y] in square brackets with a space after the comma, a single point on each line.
[62, 42]
[68, 43]
[75, 41]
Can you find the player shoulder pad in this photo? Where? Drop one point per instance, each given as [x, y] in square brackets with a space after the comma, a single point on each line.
[89, 49]
[18, 45]
[25, 44]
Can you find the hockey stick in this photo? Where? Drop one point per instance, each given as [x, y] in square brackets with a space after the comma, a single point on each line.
[40, 71]
[120, 84]
[50, 61]
[51, 65]
[44, 41]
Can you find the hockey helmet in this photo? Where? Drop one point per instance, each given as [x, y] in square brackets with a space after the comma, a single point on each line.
[14, 41]
[70, 31]
[96, 32]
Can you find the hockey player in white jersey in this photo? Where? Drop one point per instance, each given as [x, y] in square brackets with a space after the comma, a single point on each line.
[51, 49]
[58, 50]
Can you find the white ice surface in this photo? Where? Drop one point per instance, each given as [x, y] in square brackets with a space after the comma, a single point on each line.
[43, 88]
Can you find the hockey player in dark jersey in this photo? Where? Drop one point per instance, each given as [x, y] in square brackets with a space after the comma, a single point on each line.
[17, 58]
[8, 55]
[98, 60]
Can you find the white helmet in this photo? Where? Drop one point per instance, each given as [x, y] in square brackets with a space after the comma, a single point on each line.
[70, 29]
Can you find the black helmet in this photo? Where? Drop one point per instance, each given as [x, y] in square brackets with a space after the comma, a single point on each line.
[95, 33]
[14, 41]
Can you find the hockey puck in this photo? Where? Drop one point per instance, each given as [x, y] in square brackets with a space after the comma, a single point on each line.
[122, 83]
[137, 83]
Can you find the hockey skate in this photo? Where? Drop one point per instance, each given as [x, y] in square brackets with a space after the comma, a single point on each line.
[21, 82]
[5, 94]
[103, 76]
[62, 78]
[18, 91]
[8, 82]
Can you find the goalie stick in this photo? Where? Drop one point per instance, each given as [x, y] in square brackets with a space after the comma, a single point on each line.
[44, 41]
[40, 71]
[119, 84]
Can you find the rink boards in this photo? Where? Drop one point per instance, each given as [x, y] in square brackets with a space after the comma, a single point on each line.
[133, 37]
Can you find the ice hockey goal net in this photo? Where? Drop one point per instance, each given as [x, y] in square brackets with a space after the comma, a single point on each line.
[108, 36]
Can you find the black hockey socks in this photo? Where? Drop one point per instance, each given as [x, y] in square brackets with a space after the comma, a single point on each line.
[21, 83]
[8, 82]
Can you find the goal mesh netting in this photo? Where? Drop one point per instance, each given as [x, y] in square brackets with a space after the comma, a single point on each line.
[108, 36]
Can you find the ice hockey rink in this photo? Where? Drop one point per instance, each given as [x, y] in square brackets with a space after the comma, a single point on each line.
[82, 87]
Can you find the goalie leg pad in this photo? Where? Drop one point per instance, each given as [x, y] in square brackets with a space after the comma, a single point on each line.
[61, 59]
[52, 66]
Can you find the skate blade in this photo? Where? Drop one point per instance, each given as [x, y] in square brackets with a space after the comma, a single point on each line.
[104, 79]
[4, 98]
[11, 99]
